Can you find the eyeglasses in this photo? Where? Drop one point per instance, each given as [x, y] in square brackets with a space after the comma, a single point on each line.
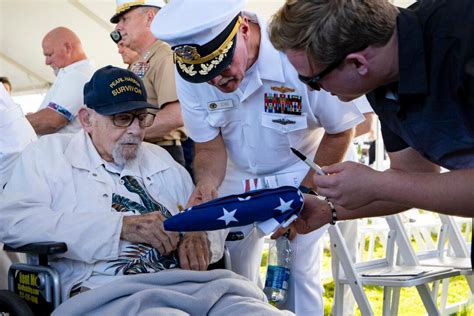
[126, 119]
[313, 82]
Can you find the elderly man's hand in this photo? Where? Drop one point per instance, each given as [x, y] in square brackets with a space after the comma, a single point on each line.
[204, 191]
[348, 184]
[193, 251]
[148, 228]
[315, 214]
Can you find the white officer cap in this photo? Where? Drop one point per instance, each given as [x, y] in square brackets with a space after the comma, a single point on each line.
[202, 35]
[124, 6]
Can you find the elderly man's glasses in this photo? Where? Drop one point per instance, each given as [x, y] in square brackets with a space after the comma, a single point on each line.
[126, 119]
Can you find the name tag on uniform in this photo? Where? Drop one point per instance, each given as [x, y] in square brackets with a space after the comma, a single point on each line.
[220, 105]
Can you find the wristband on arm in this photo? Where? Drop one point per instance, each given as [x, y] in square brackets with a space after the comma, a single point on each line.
[333, 212]
[307, 190]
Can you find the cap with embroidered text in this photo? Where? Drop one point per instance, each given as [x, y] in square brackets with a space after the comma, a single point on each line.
[203, 35]
[113, 90]
[124, 6]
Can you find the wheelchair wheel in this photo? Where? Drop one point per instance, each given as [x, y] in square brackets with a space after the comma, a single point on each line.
[12, 304]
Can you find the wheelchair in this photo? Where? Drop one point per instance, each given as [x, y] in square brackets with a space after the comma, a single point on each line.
[35, 290]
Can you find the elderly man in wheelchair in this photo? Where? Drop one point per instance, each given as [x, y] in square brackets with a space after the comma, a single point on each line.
[105, 194]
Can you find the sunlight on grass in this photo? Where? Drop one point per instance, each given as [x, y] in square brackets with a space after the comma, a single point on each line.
[410, 302]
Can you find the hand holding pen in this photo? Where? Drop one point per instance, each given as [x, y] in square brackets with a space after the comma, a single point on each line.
[341, 188]
[309, 162]
[320, 172]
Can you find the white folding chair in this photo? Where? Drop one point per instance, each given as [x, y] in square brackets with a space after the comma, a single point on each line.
[452, 250]
[388, 272]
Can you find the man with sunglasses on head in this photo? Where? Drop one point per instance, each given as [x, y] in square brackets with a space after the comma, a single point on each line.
[244, 106]
[414, 63]
[104, 192]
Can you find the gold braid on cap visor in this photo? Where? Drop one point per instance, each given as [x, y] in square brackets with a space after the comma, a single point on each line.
[196, 59]
[128, 5]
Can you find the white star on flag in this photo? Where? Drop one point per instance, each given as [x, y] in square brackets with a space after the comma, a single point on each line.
[228, 216]
[284, 206]
[244, 199]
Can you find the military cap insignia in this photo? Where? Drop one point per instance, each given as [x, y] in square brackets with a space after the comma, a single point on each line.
[187, 52]
[191, 60]
[282, 89]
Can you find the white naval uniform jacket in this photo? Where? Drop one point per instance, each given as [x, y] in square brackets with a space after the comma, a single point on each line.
[60, 191]
[258, 143]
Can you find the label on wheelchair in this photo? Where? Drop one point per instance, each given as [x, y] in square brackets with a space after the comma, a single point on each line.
[26, 286]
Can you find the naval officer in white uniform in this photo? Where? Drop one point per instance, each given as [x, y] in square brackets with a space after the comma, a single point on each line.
[244, 106]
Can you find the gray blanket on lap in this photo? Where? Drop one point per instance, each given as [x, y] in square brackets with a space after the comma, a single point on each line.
[173, 292]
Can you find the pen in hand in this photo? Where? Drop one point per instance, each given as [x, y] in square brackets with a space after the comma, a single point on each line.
[309, 162]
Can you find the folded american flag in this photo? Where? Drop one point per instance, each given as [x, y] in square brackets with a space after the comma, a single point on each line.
[275, 206]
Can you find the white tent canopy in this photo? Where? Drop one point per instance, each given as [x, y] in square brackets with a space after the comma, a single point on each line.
[23, 24]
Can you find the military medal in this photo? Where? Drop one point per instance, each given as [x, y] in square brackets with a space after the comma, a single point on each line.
[282, 103]
[140, 68]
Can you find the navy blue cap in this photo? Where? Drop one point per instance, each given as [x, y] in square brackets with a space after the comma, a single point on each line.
[113, 90]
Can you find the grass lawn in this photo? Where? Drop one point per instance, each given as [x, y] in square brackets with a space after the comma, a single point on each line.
[410, 302]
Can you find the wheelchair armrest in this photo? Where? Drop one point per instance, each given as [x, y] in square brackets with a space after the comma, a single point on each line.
[39, 248]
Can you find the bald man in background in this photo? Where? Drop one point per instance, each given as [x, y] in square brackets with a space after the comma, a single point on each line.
[63, 52]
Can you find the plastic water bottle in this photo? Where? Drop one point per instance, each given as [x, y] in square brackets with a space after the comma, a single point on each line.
[278, 270]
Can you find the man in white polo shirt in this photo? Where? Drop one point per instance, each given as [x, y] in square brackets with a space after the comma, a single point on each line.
[63, 52]
[252, 109]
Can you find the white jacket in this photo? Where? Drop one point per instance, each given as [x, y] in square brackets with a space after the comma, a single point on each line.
[15, 134]
[59, 191]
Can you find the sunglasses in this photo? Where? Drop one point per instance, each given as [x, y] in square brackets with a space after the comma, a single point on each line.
[313, 82]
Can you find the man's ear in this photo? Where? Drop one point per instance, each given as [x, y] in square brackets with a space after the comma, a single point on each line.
[150, 14]
[68, 47]
[244, 27]
[85, 119]
[360, 62]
